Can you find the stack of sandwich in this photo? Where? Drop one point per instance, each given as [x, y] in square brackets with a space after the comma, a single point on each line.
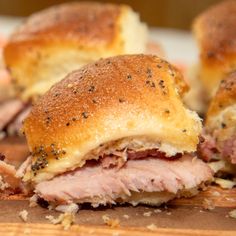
[108, 124]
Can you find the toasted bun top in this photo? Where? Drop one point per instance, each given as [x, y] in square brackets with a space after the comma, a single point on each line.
[55, 41]
[72, 21]
[112, 99]
[215, 31]
[224, 101]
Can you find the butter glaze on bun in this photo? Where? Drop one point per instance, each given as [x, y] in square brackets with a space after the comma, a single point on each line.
[220, 126]
[216, 36]
[223, 100]
[131, 101]
[221, 119]
[55, 41]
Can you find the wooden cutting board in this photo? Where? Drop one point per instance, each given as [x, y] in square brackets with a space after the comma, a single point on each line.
[180, 217]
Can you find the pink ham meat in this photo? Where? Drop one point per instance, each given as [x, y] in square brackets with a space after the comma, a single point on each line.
[207, 149]
[6, 90]
[229, 149]
[9, 182]
[8, 111]
[117, 160]
[150, 153]
[149, 174]
[15, 126]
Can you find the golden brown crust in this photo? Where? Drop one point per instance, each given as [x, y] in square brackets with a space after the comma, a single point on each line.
[225, 97]
[113, 98]
[221, 118]
[72, 22]
[215, 30]
[216, 35]
[81, 31]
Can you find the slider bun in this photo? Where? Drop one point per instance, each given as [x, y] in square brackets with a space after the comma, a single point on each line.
[123, 97]
[55, 41]
[215, 32]
[221, 115]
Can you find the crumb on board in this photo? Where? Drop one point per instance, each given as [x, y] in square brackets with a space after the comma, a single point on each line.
[203, 187]
[116, 234]
[232, 214]
[69, 208]
[152, 227]
[157, 210]
[208, 204]
[23, 215]
[27, 231]
[147, 214]
[216, 194]
[168, 213]
[91, 231]
[33, 201]
[52, 219]
[65, 219]
[113, 223]
[126, 216]
[225, 183]
[3, 184]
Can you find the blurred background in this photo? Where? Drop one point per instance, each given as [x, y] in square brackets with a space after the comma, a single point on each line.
[162, 13]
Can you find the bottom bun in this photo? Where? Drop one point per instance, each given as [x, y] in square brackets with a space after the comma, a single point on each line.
[158, 198]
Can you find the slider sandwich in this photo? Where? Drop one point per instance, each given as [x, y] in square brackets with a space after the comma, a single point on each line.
[220, 126]
[114, 131]
[215, 32]
[55, 41]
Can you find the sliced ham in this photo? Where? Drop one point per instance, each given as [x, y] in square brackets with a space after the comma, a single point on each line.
[25, 165]
[106, 185]
[151, 153]
[16, 125]
[111, 161]
[9, 110]
[9, 181]
[120, 157]
[207, 149]
[229, 149]
[6, 90]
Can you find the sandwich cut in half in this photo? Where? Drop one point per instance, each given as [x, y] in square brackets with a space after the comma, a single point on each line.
[115, 131]
[220, 127]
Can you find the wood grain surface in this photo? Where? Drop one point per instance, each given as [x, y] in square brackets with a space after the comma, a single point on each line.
[49, 230]
[180, 217]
